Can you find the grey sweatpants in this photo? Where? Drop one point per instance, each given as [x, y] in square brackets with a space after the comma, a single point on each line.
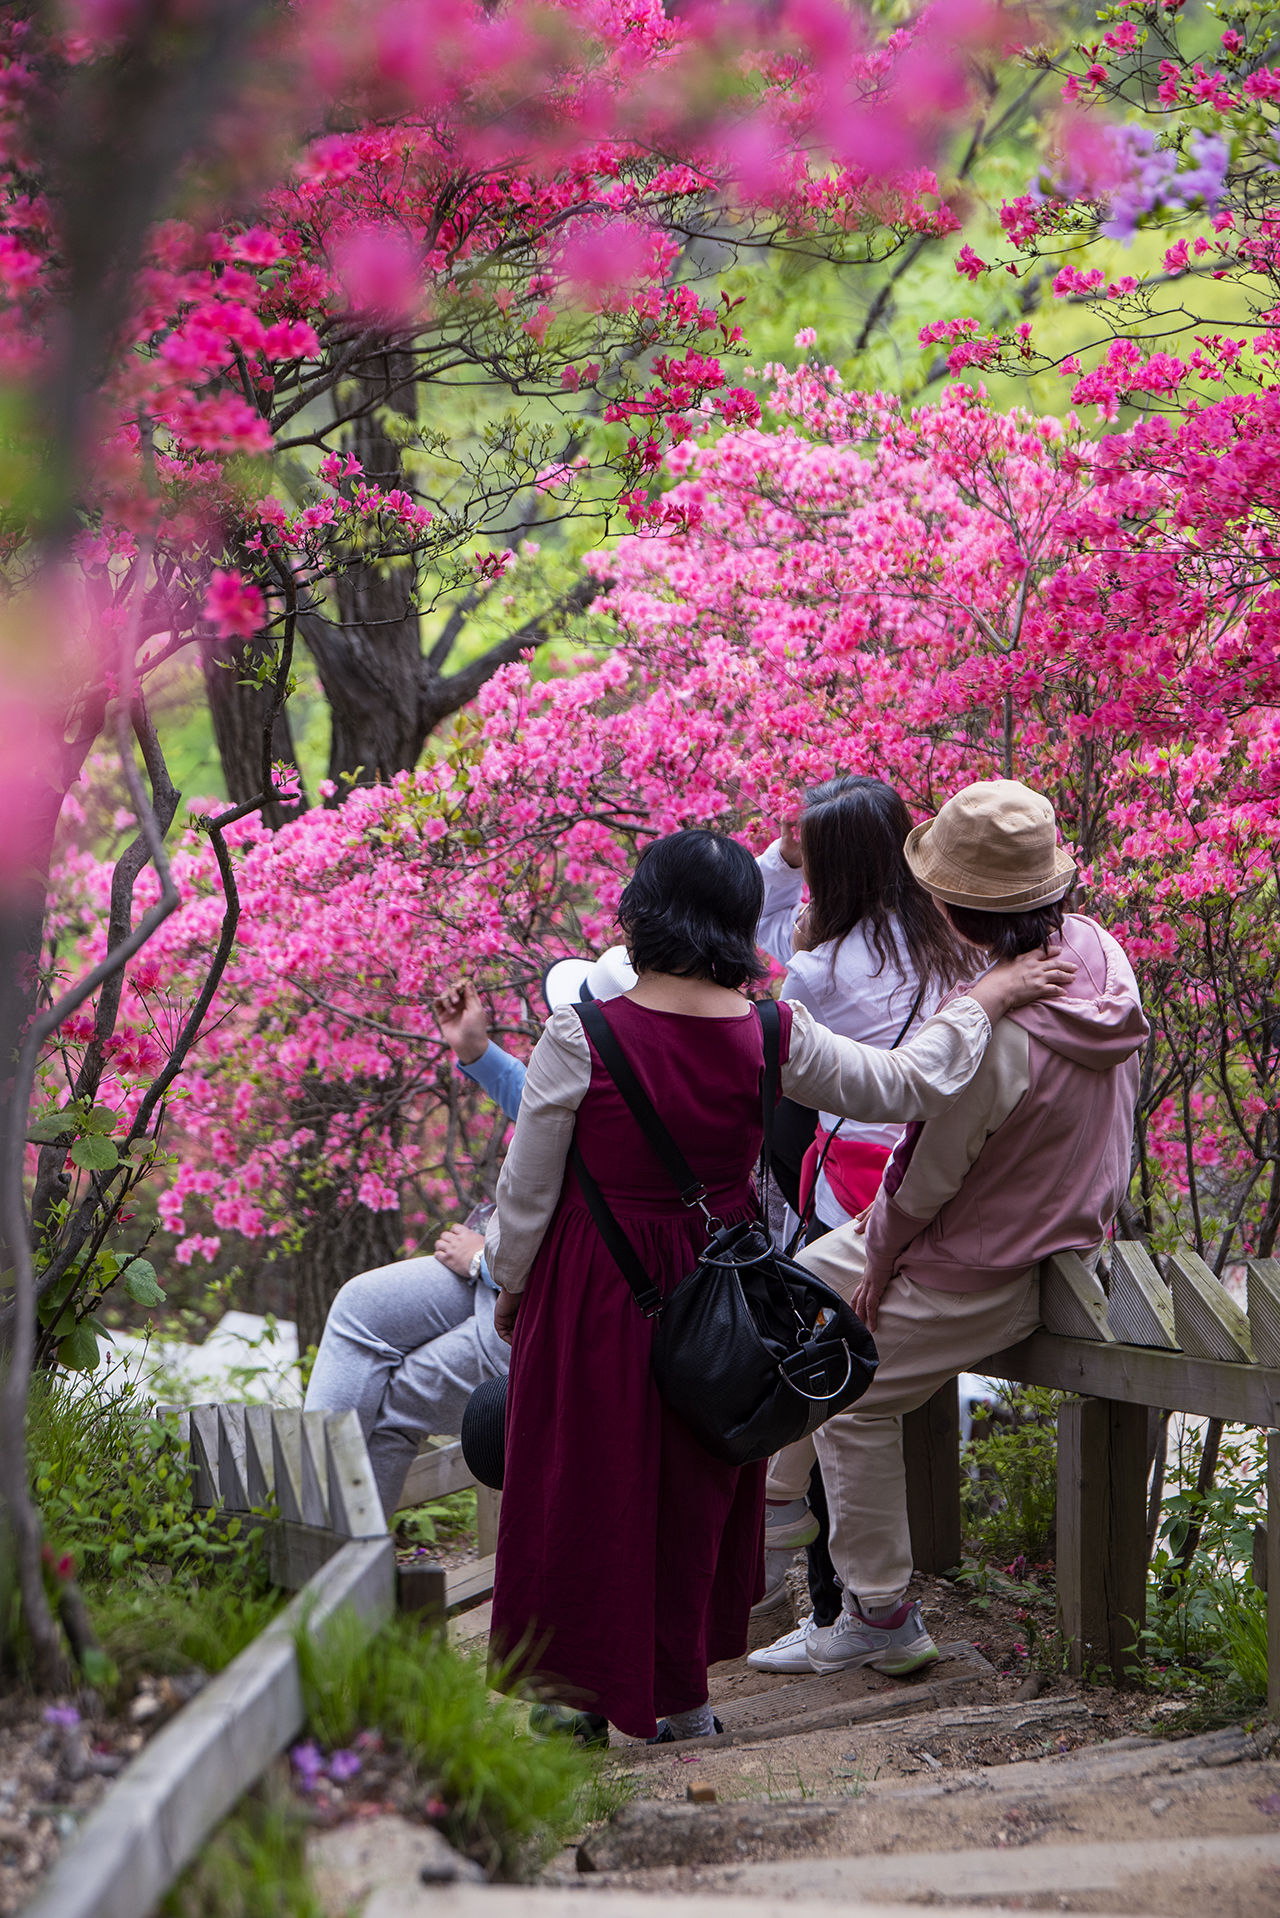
[406, 1345]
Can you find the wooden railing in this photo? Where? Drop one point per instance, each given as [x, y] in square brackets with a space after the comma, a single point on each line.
[310, 1471]
[1177, 1342]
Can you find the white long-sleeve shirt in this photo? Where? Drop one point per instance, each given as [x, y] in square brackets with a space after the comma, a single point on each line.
[918, 1081]
[845, 987]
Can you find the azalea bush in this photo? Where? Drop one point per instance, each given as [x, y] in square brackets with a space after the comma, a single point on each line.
[934, 595]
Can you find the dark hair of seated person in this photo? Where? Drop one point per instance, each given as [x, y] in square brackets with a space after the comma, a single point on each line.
[1006, 935]
[692, 908]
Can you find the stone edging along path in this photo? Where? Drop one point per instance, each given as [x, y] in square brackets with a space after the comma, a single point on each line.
[157, 1814]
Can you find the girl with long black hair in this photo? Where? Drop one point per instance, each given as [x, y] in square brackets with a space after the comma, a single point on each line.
[870, 956]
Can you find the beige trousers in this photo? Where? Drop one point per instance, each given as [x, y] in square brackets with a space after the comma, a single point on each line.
[924, 1338]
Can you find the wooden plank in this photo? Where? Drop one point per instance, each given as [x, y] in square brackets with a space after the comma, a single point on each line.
[931, 1451]
[1264, 1309]
[231, 1458]
[205, 1443]
[1101, 1532]
[1208, 1319]
[469, 1585]
[315, 1470]
[295, 1553]
[1273, 1574]
[156, 1815]
[1176, 1381]
[286, 1452]
[1072, 1300]
[488, 1509]
[355, 1510]
[259, 1457]
[434, 1474]
[1140, 1308]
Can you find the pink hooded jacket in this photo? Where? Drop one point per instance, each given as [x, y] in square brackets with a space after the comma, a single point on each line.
[1033, 1157]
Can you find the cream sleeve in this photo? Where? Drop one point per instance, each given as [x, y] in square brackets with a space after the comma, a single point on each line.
[917, 1081]
[531, 1178]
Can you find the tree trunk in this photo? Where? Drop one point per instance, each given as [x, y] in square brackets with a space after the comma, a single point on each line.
[341, 1237]
[338, 1244]
[239, 710]
[369, 657]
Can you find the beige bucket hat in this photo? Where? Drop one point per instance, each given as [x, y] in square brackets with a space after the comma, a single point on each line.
[993, 847]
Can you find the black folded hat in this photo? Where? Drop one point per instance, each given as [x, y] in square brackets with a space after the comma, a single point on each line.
[483, 1433]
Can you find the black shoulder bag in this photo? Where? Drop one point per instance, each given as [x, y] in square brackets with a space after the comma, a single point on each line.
[750, 1349]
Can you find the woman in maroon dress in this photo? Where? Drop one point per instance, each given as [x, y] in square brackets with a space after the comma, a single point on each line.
[628, 1557]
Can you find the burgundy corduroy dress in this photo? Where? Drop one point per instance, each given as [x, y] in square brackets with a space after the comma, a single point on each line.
[628, 1557]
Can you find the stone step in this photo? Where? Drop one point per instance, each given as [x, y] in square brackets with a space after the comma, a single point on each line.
[1234, 1876]
[523, 1901]
[948, 1812]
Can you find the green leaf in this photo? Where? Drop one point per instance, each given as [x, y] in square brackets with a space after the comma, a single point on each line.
[100, 1671]
[93, 1154]
[50, 1126]
[79, 1350]
[141, 1284]
[100, 1119]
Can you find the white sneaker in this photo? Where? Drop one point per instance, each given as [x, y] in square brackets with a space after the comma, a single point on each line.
[790, 1653]
[854, 1641]
[793, 1525]
[786, 1529]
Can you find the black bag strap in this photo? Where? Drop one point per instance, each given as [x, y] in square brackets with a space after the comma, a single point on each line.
[646, 1293]
[691, 1189]
[771, 1032]
[618, 1066]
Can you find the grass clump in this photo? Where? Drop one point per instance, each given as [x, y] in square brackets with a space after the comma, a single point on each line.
[254, 1866]
[513, 1798]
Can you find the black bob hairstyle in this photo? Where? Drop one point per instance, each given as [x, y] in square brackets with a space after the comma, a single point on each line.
[692, 908]
[1007, 935]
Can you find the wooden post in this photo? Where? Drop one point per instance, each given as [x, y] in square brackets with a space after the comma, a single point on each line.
[1273, 1574]
[420, 1589]
[488, 1506]
[931, 1450]
[1102, 1544]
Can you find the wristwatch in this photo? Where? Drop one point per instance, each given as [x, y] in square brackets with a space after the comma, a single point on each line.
[477, 1260]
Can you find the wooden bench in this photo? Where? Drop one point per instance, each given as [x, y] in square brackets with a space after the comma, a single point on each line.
[1176, 1341]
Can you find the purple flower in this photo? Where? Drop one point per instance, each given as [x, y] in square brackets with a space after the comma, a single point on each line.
[65, 1715]
[308, 1763]
[344, 1765]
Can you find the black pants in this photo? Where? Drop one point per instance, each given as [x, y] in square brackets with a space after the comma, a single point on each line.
[825, 1588]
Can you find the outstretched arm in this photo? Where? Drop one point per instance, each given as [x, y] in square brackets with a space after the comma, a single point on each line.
[921, 1078]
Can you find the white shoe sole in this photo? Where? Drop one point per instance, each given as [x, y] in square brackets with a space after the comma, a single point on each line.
[787, 1663]
[895, 1660]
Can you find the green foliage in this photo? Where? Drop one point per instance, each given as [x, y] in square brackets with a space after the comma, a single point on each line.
[1206, 1625]
[254, 1866]
[113, 1491]
[441, 1522]
[164, 1630]
[1010, 1487]
[513, 1797]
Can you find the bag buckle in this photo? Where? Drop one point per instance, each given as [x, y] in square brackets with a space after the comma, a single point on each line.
[817, 1398]
[694, 1194]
